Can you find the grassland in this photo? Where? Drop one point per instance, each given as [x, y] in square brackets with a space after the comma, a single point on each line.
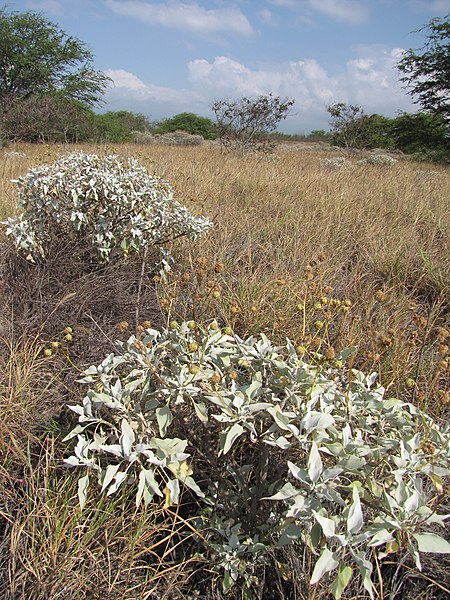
[351, 258]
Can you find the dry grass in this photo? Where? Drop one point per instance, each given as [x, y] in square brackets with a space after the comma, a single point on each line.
[332, 259]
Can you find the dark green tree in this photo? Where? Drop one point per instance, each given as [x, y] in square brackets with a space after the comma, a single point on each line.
[191, 123]
[37, 58]
[118, 126]
[426, 71]
[351, 127]
[424, 133]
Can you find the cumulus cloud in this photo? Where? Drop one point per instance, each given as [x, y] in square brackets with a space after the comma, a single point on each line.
[129, 90]
[185, 16]
[370, 79]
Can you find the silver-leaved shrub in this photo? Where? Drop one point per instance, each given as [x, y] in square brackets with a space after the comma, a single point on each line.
[110, 202]
[278, 451]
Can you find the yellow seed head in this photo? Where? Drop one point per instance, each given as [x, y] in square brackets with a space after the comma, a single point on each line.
[48, 352]
[193, 347]
[194, 369]
[68, 330]
[214, 326]
[215, 378]
[330, 353]
[122, 326]
[410, 383]
[68, 337]
[380, 296]
[216, 294]
[173, 324]
[227, 330]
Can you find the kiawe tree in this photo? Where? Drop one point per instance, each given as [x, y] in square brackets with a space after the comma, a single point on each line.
[426, 71]
[247, 122]
[39, 60]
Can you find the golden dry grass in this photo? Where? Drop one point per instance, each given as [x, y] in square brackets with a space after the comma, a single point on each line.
[357, 257]
[291, 233]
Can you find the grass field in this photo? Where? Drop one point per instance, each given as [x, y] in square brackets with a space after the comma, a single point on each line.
[357, 257]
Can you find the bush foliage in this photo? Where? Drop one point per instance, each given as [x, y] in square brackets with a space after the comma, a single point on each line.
[112, 205]
[277, 450]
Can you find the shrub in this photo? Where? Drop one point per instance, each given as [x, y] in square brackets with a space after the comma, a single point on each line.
[111, 204]
[335, 163]
[277, 450]
[379, 160]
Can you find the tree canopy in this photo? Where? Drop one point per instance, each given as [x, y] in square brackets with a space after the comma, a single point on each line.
[426, 71]
[191, 123]
[247, 122]
[37, 58]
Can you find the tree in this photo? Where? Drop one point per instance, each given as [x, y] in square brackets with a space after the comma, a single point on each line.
[246, 123]
[344, 123]
[423, 133]
[48, 118]
[191, 123]
[427, 70]
[37, 58]
[352, 128]
[118, 126]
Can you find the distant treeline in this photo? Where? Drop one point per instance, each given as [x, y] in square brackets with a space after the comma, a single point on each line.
[56, 119]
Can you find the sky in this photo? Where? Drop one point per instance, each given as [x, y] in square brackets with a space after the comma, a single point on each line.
[171, 56]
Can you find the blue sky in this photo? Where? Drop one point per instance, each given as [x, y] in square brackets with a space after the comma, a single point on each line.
[172, 56]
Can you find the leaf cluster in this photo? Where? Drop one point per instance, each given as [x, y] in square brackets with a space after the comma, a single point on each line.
[426, 71]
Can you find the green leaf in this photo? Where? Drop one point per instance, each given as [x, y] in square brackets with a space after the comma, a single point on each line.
[326, 563]
[231, 436]
[342, 580]
[164, 418]
[431, 542]
[83, 485]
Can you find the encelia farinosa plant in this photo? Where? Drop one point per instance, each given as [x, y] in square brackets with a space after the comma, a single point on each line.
[274, 450]
[109, 202]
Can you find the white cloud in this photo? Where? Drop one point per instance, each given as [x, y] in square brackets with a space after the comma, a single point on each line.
[125, 79]
[370, 79]
[185, 16]
[267, 17]
[351, 11]
[147, 98]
